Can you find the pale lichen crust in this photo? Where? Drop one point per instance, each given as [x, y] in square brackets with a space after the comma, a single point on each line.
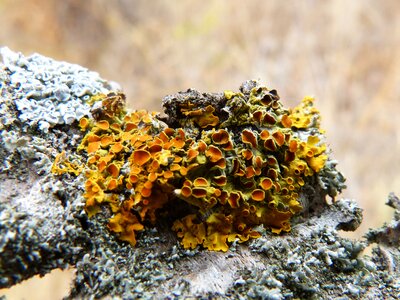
[48, 92]
[227, 163]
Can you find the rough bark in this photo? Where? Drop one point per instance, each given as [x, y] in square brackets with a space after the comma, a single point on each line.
[43, 225]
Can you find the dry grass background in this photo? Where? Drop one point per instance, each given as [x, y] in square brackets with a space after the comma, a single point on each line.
[345, 53]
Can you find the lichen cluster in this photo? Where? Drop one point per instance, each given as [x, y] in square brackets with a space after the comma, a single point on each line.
[235, 164]
[50, 93]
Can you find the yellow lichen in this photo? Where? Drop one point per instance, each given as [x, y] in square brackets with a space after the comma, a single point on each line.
[125, 224]
[241, 171]
[302, 115]
[62, 165]
[192, 234]
[203, 117]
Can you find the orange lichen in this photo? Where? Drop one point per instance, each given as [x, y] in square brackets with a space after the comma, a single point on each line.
[220, 137]
[200, 181]
[279, 138]
[116, 147]
[202, 146]
[220, 180]
[221, 164]
[186, 191]
[250, 172]
[269, 119]
[93, 147]
[264, 134]
[270, 144]
[293, 146]
[238, 171]
[191, 154]
[199, 192]
[213, 153]
[112, 184]
[258, 195]
[141, 157]
[84, 123]
[106, 140]
[257, 116]
[233, 199]
[103, 125]
[266, 183]
[286, 121]
[248, 137]
[113, 170]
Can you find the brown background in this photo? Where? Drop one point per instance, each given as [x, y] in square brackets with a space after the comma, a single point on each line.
[345, 53]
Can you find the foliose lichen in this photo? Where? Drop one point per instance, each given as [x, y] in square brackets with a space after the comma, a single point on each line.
[233, 163]
[48, 92]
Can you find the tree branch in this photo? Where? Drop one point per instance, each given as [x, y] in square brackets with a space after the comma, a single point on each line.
[43, 225]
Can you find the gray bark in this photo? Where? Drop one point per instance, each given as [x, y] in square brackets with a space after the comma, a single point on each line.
[43, 225]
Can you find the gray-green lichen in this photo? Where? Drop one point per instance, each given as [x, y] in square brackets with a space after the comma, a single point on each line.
[43, 225]
[46, 92]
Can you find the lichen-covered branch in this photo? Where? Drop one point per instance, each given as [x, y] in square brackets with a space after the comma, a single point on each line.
[69, 146]
[231, 162]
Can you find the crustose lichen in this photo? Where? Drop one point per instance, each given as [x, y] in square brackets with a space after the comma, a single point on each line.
[237, 162]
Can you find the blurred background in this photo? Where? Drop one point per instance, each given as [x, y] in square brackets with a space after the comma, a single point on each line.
[345, 53]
